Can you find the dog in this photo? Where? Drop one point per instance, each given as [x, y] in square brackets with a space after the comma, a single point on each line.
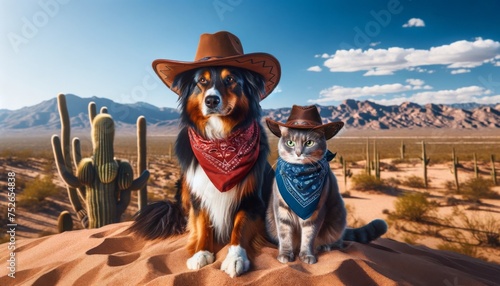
[222, 150]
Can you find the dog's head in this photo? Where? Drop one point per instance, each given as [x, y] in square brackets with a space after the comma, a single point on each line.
[216, 100]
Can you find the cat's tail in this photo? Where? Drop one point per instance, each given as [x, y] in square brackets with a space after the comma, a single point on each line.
[160, 220]
[366, 233]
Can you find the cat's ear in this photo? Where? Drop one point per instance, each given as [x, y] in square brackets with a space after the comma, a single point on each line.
[283, 130]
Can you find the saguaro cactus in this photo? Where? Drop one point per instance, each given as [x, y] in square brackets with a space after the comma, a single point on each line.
[493, 170]
[454, 168]
[425, 163]
[403, 150]
[64, 222]
[368, 169]
[345, 171]
[476, 168]
[142, 200]
[107, 182]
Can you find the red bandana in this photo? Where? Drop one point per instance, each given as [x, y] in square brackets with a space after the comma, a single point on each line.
[227, 161]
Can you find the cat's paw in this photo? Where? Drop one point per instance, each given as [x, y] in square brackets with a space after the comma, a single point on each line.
[308, 258]
[200, 259]
[236, 262]
[285, 258]
[329, 247]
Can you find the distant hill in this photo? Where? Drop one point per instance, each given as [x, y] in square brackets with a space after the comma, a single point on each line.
[356, 114]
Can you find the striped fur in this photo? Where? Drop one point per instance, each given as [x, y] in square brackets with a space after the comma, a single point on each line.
[325, 229]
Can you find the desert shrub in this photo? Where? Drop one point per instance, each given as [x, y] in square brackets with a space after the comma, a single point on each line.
[484, 229]
[450, 186]
[389, 167]
[352, 219]
[365, 182]
[413, 207]
[462, 248]
[477, 188]
[414, 182]
[37, 191]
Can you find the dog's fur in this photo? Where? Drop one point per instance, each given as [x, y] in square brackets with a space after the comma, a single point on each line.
[235, 217]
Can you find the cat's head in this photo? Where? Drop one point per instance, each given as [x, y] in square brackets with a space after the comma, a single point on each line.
[298, 146]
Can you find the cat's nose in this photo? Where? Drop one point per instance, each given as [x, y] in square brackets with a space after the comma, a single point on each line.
[298, 153]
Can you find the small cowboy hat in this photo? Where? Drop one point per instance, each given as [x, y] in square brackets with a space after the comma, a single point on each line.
[222, 49]
[306, 118]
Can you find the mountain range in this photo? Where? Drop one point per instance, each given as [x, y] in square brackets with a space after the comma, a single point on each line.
[355, 114]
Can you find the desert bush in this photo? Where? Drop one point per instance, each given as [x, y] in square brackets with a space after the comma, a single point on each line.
[365, 182]
[462, 248]
[37, 191]
[413, 207]
[389, 167]
[414, 182]
[450, 186]
[484, 229]
[477, 188]
[352, 219]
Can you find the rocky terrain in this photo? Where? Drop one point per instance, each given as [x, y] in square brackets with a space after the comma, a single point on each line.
[365, 115]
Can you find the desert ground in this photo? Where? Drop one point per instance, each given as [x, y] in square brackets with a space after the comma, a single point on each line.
[30, 157]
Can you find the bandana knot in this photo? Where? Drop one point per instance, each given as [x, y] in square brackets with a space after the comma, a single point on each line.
[227, 161]
[301, 185]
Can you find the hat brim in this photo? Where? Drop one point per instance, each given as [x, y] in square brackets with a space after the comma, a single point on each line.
[264, 64]
[330, 129]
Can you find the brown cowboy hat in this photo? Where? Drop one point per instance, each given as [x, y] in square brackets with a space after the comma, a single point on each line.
[222, 49]
[306, 118]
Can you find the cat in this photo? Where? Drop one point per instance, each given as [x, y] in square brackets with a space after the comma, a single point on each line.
[305, 210]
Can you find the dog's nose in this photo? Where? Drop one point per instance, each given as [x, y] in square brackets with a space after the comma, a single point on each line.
[212, 101]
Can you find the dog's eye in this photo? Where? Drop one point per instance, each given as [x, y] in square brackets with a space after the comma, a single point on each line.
[229, 80]
[309, 143]
[203, 80]
[290, 143]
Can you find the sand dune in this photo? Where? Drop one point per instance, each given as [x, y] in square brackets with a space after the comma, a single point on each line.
[110, 256]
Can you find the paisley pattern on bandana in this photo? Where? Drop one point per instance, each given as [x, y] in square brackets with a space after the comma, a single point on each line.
[301, 185]
[227, 161]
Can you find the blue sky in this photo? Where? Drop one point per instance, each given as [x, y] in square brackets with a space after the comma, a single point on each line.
[387, 51]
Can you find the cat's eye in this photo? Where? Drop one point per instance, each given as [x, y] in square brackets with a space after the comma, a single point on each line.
[290, 143]
[309, 143]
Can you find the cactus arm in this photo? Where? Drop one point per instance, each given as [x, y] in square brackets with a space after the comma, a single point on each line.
[77, 153]
[141, 159]
[65, 174]
[92, 111]
[140, 182]
[104, 109]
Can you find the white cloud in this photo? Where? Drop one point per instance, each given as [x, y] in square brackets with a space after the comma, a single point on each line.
[460, 71]
[461, 54]
[324, 56]
[416, 82]
[415, 91]
[414, 22]
[339, 93]
[459, 95]
[374, 44]
[315, 69]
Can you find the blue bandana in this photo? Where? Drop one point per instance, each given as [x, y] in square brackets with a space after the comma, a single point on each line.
[300, 185]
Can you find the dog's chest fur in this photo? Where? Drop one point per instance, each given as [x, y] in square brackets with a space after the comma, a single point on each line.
[219, 205]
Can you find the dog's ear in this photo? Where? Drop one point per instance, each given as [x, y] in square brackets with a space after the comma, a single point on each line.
[254, 84]
[184, 82]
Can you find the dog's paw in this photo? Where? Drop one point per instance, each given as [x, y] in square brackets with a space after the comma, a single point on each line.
[236, 262]
[200, 259]
[285, 257]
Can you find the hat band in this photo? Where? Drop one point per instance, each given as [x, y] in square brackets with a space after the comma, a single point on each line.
[299, 122]
[208, 58]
